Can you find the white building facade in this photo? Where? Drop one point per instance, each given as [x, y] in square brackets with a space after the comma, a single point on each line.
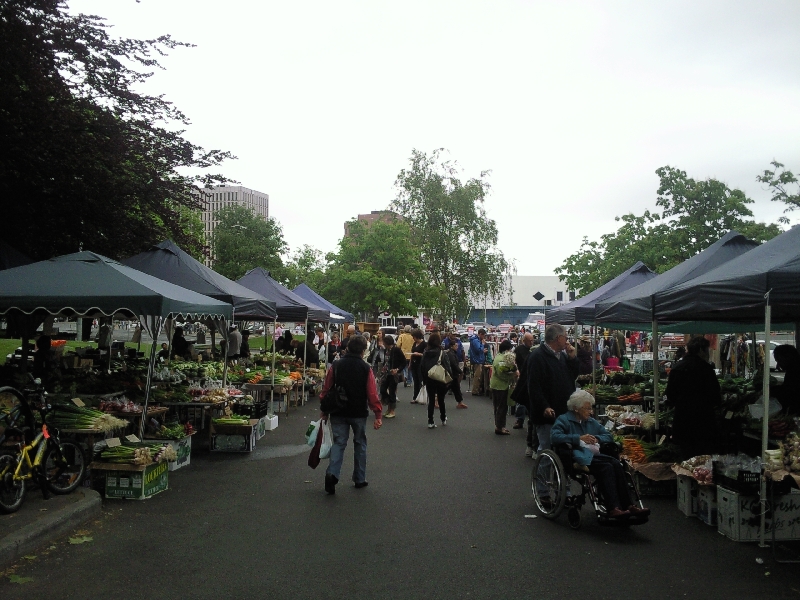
[227, 195]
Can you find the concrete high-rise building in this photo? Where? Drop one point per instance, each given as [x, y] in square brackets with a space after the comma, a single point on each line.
[227, 195]
[386, 216]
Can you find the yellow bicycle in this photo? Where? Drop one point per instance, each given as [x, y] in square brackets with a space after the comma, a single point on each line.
[57, 466]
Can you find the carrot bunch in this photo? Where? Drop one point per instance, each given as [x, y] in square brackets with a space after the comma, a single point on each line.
[633, 451]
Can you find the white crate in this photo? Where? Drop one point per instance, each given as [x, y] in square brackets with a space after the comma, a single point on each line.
[739, 516]
[687, 495]
[707, 504]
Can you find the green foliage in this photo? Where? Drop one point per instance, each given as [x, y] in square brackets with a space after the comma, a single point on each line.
[377, 268]
[457, 241]
[695, 214]
[779, 182]
[88, 158]
[242, 240]
[305, 265]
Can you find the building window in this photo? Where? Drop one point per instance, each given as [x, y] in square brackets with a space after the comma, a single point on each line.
[571, 296]
[560, 296]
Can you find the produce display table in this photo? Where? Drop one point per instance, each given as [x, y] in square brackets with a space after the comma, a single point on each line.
[199, 414]
[91, 435]
[261, 392]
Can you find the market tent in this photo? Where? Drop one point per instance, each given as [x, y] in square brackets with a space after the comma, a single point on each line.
[337, 315]
[635, 307]
[87, 283]
[289, 306]
[737, 290]
[168, 262]
[582, 310]
[10, 258]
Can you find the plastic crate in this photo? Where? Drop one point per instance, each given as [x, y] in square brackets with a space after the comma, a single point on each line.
[254, 411]
[745, 482]
[650, 488]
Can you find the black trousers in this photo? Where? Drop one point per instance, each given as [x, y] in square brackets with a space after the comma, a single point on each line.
[436, 393]
[500, 401]
[416, 374]
[389, 390]
[455, 386]
[611, 482]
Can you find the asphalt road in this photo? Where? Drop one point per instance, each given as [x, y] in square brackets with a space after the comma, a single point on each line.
[444, 516]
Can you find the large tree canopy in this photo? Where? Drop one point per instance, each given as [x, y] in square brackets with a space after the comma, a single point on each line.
[376, 269]
[694, 215]
[784, 186]
[457, 241]
[88, 161]
[242, 240]
[305, 265]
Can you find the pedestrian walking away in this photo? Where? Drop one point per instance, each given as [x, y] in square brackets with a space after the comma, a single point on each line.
[552, 370]
[520, 394]
[457, 350]
[417, 350]
[504, 373]
[405, 342]
[394, 363]
[437, 390]
[354, 376]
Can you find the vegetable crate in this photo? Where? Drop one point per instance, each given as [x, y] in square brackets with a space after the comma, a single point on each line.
[687, 495]
[182, 447]
[234, 438]
[649, 488]
[134, 482]
[745, 482]
[254, 411]
[739, 516]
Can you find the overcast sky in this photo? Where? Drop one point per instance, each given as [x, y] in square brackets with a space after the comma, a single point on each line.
[571, 105]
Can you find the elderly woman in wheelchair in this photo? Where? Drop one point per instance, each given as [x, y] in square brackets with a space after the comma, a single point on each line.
[584, 456]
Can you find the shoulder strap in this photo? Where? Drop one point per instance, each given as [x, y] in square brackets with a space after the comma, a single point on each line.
[439, 362]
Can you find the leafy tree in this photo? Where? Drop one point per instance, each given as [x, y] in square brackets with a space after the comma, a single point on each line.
[88, 160]
[457, 241]
[779, 182]
[694, 215]
[305, 265]
[242, 240]
[377, 268]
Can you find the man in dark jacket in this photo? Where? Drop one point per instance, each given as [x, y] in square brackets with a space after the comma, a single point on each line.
[552, 369]
[520, 393]
[354, 375]
[693, 389]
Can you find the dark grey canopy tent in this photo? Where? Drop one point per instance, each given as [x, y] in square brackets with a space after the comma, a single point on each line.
[582, 310]
[337, 314]
[87, 284]
[168, 262]
[635, 307]
[289, 306]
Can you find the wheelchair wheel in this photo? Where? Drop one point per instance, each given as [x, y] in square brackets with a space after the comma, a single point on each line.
[574, 517]
[549, 484]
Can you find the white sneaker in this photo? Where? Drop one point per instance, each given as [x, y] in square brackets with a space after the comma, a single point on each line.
[444, 421]
[528, 451]
[431, 425]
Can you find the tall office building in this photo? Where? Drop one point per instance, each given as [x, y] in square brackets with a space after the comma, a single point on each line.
[226, 195]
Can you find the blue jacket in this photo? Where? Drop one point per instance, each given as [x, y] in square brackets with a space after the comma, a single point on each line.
[568, 430]
[476, 353]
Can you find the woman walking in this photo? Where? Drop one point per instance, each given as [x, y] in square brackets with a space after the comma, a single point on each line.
[437, 390]
[417, 350]
[504, 371]
[395, 362]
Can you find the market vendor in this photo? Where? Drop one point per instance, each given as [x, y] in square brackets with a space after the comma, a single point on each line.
[179, 345]
[306, 351]
[244, 346]
[585, 434]
[45, 366]
[788, 393]
[693, 390]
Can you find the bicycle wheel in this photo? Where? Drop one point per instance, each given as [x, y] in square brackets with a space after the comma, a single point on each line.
[14, 411]
[64, 467]
[549, 484]
[12, 493]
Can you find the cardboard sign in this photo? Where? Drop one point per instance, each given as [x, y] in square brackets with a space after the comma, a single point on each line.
[78, 402]
[113, 442]
[132, 438]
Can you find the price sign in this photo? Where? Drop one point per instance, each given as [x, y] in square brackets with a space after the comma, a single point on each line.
[113, 442]
[78, 402]
[729, 414]
[132, 438]
[661, 439]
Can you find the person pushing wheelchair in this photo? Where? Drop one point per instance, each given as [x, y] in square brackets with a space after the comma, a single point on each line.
[577, 428]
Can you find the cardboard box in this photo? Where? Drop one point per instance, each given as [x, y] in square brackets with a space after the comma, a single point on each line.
[134, 482]
[707, 504]
[739, 516]
[234, 438]
[271, 422]
[687, 495]
[182, 447]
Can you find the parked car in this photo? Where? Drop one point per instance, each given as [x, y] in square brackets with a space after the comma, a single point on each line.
[389, 330]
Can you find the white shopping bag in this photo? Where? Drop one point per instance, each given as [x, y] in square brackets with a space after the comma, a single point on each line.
[422, 397]
[327, 440]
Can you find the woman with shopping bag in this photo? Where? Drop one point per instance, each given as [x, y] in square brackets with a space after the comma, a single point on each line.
[439, 368]
[417, 350]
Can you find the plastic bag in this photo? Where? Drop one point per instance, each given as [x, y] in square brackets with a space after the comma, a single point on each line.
[327, 440]
[422, 397]
[311, 433]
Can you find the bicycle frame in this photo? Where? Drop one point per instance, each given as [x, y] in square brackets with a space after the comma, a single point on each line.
[25, 459]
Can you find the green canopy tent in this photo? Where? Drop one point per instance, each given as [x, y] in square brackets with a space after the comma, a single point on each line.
[85, 283]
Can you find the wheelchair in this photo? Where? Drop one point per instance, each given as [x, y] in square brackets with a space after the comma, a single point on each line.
[558, 483]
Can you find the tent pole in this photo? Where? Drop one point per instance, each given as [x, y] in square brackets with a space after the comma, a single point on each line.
[655, 371]
[754, 352]
[150, 368]
[594, 354]
[271, 410]
[227, 349]
[305, 357]
[765, 417]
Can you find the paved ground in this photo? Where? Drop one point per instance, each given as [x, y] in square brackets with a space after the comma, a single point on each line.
[444, 516]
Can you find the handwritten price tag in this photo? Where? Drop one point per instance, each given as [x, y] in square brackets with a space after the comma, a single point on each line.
[78, 402]
[113, 442]
[132, 438]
